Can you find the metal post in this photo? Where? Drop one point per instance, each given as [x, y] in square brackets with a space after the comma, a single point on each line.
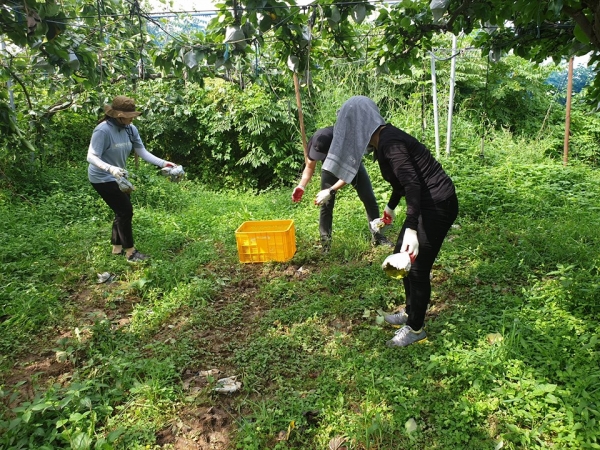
[451, 100]
[435, 107]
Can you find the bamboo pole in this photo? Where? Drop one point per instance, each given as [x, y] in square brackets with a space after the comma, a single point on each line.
[568, 116]
[300, 116]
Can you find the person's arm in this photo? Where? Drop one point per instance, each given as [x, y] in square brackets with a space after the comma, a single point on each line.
[307, 173]
[140, 150]
[394, 199]
[406, 173]
[150, 158]
[338, 185]
[95, 151]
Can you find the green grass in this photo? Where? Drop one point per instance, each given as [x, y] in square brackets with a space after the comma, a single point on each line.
[511, 360]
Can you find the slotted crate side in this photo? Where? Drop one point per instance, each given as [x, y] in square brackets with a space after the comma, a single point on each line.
[266, 240]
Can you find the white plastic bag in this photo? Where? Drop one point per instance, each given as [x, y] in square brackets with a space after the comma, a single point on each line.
[175, 173]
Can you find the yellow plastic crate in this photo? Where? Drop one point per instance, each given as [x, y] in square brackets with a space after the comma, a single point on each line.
[266, 240]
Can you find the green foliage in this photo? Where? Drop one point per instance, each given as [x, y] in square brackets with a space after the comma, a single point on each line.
[584, 136]
[247, 138]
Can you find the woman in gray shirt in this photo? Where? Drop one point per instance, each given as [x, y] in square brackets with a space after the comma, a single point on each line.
[112, 141]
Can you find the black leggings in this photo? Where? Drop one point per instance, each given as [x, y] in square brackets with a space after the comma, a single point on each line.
[120, 203]
[362, 184]
[434, 223]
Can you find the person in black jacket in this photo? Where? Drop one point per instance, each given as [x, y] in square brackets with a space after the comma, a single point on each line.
[318, 147]
[431, 204]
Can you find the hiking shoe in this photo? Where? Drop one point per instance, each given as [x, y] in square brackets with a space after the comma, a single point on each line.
[380, 239]
[137, 257]
[399, 318]
[406, 336]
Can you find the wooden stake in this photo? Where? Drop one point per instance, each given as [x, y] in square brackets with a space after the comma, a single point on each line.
[568, 117]
[300, 116]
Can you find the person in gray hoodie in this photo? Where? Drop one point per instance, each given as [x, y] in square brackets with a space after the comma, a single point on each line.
[318, 147]
[413, 173]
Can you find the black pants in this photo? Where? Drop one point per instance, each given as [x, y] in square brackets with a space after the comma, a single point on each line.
[362, 184]
[120, 203]
[434, 223]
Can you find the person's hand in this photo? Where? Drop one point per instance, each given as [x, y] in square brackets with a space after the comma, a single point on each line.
[388, 215]
[376, 225]
[323, 197]
[117, 172]
[297, 194]
[410, 243]
[169, 164]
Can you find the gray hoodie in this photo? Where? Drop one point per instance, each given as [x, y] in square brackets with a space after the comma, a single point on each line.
[357, 120]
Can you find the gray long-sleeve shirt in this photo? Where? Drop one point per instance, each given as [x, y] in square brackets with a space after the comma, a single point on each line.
[111, 146]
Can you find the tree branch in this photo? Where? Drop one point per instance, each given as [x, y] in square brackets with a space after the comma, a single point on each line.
[586, 26]
[18, 80]
[457, 12]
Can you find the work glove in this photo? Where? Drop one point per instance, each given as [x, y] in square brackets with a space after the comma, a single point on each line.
[169, 164]
[297, 194]
[323, 197]
[117, 172]
[388, 215]
[410, 243]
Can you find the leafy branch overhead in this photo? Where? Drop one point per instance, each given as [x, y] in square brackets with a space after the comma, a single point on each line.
[303, 37]
[90, 41]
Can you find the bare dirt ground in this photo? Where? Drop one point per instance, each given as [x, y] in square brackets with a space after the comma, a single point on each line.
[202, 427]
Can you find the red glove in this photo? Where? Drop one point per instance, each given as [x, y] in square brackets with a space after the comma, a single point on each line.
[387, 219]
[297, 194]
[388, 215]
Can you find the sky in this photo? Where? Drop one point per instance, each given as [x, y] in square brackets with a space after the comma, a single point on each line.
[193, 5]
[182, 5]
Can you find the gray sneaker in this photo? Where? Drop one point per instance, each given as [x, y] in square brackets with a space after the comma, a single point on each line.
[399, 318]
[137, 257]
[406, 336]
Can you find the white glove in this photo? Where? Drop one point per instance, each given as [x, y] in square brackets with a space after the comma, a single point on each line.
[410, 243]
[323, 197]
[117, 172]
